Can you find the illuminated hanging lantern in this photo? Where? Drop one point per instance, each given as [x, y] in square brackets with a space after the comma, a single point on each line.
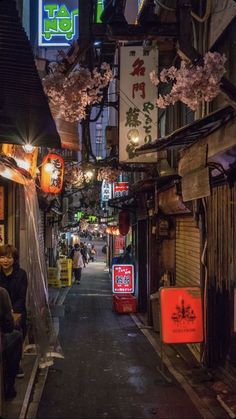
[52, 172]
[124, 222]
[113, 230]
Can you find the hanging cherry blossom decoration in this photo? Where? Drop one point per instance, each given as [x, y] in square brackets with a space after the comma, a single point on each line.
[108, 174]
[73, 177]
[74, 93]
[191, 83]
[83, 225]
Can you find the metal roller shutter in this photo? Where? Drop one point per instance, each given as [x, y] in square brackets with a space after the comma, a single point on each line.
[187, 257]
[187, 252]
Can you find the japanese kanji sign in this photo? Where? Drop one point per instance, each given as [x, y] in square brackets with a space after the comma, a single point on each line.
[106, 191]
[138, 111]
[122, 279]
[120, 189]
[119, 245]
[181, 315]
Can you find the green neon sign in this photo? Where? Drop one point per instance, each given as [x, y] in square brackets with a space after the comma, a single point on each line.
[58, 22]
[99, 10]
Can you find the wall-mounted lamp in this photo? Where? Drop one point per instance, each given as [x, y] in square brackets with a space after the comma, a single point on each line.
[28, 148]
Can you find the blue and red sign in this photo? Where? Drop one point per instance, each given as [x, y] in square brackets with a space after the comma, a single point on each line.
[122, 279]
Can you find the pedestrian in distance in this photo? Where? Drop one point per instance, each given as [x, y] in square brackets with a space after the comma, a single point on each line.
[77, 263]
[14, 280]
[84, 252]
[92, 253]
[11, 345]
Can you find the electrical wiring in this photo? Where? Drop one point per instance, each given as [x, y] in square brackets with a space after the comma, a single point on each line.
[131, 102]
[163, 6]
[207, 13]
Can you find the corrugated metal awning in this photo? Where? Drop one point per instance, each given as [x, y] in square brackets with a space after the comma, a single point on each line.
[24, 111]
[190, 134]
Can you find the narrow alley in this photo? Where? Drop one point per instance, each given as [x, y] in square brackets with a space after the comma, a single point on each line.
[110, 368]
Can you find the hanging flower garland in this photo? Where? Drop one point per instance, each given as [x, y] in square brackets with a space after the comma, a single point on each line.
[74, 93]
[192, 83]
[108, 174]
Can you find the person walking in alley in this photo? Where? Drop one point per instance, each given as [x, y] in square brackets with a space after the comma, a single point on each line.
[84, 252]
[10, 344]
[14, 280]
[77, 263]
[92, 253]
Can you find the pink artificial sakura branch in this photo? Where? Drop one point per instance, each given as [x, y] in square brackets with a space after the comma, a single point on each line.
[192, 84]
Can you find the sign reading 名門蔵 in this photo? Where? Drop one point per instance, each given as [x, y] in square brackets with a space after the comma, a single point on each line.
[58, 22]
[120, 189]
[122, 279]
[138, 111]
[181, 315]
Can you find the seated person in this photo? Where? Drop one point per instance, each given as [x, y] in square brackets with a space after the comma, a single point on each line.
[14, 280]
[11, 345]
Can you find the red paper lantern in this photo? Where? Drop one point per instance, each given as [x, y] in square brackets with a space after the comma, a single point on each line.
[52, 172]
[124, 222]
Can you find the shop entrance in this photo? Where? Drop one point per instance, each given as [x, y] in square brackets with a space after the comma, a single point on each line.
[142, 266]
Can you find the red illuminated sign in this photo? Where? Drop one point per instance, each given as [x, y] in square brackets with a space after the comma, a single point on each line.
[122, 279]
[120, 189]
[181, 315]
[119, 245]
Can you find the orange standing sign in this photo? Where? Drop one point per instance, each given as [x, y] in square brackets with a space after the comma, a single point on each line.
[181, 315]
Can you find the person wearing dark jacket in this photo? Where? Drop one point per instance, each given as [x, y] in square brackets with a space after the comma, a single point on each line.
[11, 344]
[14, 280]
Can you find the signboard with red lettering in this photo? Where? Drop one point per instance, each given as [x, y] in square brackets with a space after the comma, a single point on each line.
[181, 315]
[119, 245]
[138, 111]
[120, 189]
[122, 279]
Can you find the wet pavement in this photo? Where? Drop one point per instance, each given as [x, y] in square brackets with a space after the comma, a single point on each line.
[110, 368]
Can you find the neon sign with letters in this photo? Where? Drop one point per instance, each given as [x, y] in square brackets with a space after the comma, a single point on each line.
[58, 22]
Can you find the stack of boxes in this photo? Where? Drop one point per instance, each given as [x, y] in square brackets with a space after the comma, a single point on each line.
[66, 272]
[53, 278]
[62, 275]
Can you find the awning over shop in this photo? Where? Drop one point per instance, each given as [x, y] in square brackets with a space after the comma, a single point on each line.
[25, 116]
[123, 202]
[190, 134]
[152, 183]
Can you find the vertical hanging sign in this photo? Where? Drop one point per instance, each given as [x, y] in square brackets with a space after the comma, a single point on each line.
[106, 191]
[57, 22]
[138, 111]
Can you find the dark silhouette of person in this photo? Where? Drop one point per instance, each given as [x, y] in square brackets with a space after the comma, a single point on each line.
[11, 345]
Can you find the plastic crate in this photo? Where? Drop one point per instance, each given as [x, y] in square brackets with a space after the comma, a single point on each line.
[124, 303]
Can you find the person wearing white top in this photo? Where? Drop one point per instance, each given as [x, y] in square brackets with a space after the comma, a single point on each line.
[77, 264]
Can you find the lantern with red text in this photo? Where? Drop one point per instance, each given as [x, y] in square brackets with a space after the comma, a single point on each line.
[52, 172]
[124, 222]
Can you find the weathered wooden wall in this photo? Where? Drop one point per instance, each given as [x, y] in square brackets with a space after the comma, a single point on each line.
[221, 264]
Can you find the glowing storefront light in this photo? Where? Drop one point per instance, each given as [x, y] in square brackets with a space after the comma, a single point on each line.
[58, 22]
